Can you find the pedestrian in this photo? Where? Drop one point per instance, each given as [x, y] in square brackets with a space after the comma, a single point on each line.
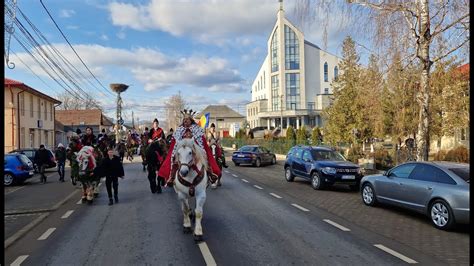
[60, 156]
[41, 160]
[114, 169]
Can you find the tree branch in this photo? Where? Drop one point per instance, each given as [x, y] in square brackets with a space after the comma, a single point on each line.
[436, 32]
[410, 23]
[450, 51]
[439, 10]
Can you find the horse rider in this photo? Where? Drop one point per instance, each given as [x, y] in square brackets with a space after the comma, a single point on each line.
[170, 135]
[168, 170]
[156, 132]
[89, 138]
[213, 136]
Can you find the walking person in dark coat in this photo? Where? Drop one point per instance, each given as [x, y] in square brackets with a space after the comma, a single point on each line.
[113, 169]
[41, 160]
[60, 156]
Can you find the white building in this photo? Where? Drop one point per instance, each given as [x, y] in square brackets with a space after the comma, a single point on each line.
[293, 83]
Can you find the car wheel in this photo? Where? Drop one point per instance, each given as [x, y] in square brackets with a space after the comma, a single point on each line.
[258, 163]
[274, 161]
[8, 179]
[288, 175]
[236, 164]
[316, 181]
[441, 215]
[368, 195]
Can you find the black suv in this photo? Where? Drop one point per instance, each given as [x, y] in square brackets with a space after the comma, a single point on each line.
[322, 166]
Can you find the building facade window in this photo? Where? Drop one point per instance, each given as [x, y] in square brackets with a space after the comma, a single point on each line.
[311, 105]
[275, 96]
[31, 106]
[336, 73]
[22, 138]
[326, 74]
[292, 51]
[293, 91]
[22, 104]
[326, 90]
[39, 108]
[274, 51]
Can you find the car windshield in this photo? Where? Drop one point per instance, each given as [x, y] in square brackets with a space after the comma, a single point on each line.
[24, 159]
[248, 149]
[321, 155]
[461, 172]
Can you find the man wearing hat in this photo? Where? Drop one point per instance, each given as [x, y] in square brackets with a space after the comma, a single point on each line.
[60, 155]
[156, 133]
[213, 136]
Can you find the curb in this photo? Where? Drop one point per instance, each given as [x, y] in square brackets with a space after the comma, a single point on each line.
[20, 233]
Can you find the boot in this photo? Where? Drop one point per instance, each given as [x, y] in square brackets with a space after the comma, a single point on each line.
[111, 202]
[116, 198]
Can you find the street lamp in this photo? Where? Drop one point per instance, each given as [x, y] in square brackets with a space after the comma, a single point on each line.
[118, 88]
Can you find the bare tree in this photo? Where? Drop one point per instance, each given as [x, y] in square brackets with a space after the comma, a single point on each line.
[411, 27]
[69, 102]
[173, 107]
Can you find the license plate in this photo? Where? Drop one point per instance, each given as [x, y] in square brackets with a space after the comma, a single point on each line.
[240, 155]
[31, 173]
[348, 177]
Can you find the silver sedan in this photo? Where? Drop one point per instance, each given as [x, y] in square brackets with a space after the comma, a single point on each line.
[438, 189]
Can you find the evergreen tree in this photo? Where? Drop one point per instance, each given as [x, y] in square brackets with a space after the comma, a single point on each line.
[301, 135]
[290, 133]
[316, 137]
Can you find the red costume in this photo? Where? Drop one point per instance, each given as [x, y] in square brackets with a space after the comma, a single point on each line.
[156, 133]
[198, 134]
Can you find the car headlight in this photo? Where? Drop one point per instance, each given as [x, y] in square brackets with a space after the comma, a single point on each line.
[329, 170]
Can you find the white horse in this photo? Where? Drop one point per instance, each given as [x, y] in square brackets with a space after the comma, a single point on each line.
[191, 181]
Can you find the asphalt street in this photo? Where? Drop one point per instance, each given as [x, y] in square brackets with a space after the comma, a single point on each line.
[253, 219]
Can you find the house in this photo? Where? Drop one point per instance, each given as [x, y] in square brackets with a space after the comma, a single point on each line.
[223, 117]
[29, 117]
[292, 86]
[74, 119]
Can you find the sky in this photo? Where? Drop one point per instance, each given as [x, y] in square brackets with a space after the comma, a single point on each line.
[208, 50]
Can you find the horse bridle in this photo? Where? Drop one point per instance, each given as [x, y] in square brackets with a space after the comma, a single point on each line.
[197, 179]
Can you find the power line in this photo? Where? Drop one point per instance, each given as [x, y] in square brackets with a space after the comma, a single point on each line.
[47, 11]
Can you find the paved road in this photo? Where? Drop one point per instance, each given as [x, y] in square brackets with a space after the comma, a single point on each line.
[243, 225]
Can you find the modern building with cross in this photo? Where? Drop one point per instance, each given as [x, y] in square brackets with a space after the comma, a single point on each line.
[292, 86]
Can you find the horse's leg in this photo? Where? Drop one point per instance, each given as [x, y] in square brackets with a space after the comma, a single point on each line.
[186, 212]
[90, 192]
[96, 188]
[84, 192]
[200, 200]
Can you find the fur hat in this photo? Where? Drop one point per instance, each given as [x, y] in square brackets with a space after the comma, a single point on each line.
[188, 114]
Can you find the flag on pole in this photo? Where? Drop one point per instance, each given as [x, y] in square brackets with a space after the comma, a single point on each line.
[204, 121]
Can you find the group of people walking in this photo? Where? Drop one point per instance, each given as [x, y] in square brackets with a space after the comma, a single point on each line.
[157, 151]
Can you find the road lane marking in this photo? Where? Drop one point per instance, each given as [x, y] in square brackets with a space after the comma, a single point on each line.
[67, 214]
[19, 260]
[11, 191]
[275, 195]
[206, 253]
[79, 202]
[337, 225]
[258, 187]
[47, 234]
[234, 175]
[299, 207]
[226, 171]
[245, 180]
[396, 254]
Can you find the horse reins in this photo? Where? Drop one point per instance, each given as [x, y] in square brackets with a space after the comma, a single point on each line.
[197, 179]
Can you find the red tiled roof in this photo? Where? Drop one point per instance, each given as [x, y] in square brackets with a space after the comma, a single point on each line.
[21, 85]
[464, 68]
[88, 117]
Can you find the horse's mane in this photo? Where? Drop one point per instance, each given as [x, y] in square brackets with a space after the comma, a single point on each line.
[87, 152]
[199, 153]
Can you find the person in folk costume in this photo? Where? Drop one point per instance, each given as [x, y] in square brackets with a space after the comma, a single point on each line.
[168, 170]
[156, 133]
[170, 136]
[74, 146]
[213, 136]
[89, 138]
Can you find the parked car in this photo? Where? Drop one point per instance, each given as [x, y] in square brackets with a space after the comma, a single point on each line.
[30, 153]
[253, 154]
[322, 166]
[16, 169]
[439, 190]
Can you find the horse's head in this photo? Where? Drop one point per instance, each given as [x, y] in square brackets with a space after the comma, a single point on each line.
[86, 159]
[188, 154]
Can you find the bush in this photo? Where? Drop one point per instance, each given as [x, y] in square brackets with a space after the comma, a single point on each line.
[316, 137]
[439, 156]
[383, 159]
[459, 154]
[301, 135]
[354, 154]
[290, 133]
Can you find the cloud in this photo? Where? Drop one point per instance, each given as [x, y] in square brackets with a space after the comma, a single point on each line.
[207, 22]
[66, 13]
[104, 37]
[153, 69]
[72, 27]
[121, 35]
